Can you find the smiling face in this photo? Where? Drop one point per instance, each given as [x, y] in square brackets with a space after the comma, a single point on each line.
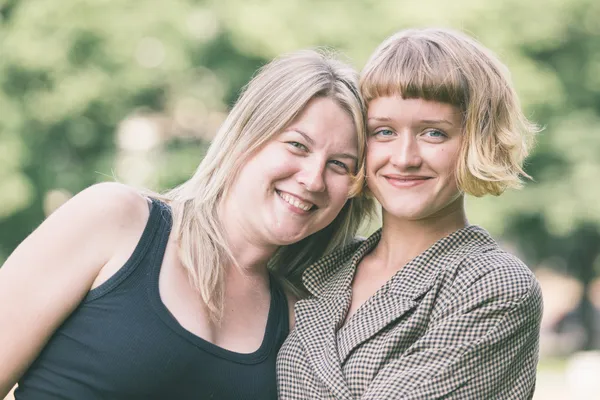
[298, 182]
[412, 154]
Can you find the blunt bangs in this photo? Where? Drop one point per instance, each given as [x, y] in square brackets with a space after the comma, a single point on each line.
[415, 70]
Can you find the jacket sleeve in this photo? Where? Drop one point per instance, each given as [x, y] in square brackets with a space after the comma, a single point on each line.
[483, 347]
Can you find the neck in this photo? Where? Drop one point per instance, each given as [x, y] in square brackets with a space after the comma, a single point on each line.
[250, 256]
[404, 239]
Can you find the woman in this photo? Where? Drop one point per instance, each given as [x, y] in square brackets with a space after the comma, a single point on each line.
[121, 296]
[429, 306]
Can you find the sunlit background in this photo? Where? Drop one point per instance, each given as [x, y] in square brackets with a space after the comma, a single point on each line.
[133, 90]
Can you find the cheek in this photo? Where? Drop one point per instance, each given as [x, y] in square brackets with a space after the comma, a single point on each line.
[444, 161]
[338, 188]
[252, 174]
[256, 180]
[269, 166]
[376, 156]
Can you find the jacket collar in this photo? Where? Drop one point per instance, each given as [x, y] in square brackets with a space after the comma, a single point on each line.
[319, 318]
[405, 290]
[334, 272]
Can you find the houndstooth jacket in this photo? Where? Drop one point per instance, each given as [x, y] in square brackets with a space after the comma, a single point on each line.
[460, 321]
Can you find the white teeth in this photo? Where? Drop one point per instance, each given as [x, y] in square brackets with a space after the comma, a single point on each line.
[295, 201]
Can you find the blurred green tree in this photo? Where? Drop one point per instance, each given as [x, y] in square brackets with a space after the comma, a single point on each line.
[71, 72]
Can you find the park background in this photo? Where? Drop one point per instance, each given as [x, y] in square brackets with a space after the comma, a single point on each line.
[94, 91]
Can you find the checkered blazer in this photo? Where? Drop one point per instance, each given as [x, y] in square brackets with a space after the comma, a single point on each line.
[460, 321]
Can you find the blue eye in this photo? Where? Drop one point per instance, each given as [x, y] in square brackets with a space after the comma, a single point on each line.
[434, 133]
[384, 132]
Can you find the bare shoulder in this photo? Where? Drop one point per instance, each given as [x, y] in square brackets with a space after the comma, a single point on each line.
[90, 228]
[50, 272]
[109, 203]
[119, 213]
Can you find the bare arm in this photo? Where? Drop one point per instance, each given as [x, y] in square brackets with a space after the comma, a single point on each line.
[51, 271]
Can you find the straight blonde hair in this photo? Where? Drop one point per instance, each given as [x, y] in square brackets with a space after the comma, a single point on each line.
[449, 67]
[268, 104]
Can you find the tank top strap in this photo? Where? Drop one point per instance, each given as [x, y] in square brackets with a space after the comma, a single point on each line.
[149, 249]
[164, 225]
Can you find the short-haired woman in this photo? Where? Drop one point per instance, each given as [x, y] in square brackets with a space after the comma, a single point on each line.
[428, 307]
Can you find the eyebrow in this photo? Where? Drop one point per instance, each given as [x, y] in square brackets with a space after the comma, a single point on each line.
[423, 121]
[308, 138]
[436, 122]
[384, 119]
[312, 142]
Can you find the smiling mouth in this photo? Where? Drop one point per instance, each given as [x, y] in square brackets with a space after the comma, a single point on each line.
[296, 202]
[406, 181]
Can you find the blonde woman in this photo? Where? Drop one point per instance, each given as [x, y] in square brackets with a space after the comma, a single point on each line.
[118, 295]
[428, 307]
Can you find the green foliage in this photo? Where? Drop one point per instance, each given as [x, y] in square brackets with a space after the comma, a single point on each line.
[71, 72]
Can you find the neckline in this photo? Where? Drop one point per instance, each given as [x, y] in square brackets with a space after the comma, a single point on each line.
[337, 269]
[272, 326]
[413, 279]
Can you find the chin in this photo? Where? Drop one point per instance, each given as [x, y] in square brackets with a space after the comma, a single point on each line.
[287, 238]
[406, 213]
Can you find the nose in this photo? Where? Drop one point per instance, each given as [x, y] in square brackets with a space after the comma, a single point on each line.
[406, 154]
[312, 175]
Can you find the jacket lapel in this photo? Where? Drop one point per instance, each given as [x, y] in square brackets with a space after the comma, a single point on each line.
[319, 318]
[386, 306]
[317, 333]
[403, 291]
[317, 321]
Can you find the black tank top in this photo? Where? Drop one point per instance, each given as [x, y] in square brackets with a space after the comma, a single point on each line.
[122, 342]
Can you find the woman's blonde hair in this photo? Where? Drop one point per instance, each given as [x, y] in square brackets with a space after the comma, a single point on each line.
[449, 67]
[268, 104]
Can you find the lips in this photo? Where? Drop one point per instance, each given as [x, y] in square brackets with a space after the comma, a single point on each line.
[406, 181]
[296, 201]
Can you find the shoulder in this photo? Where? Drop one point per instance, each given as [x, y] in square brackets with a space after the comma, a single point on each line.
[498, 274]
[337, 258]
[486, 277]
[342, 254]
[114, 197]
[316, 278]
[478, 268]
[117, 216]
[104, 213]
[110, 203]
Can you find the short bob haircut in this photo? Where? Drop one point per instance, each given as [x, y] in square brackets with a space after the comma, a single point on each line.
[276, 95]
[449, 67]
